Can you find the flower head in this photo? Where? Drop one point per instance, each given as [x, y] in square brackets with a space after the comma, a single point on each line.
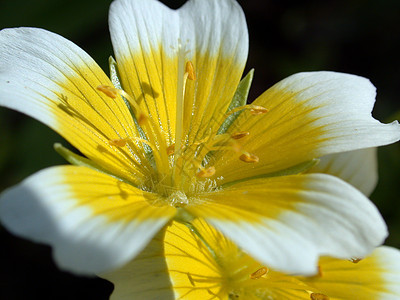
[169, 136]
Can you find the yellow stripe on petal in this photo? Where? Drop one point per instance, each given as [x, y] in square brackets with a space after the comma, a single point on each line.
[208, 97]
[151, 79]
[374, 277]
[113, 198]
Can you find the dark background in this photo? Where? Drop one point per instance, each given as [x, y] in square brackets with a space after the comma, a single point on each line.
[359, 37]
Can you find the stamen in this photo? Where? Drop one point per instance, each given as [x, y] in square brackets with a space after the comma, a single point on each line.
[204, 173]
[258, 110]
[141, 119]
[254, 109]
[170, 149]
[249, 158]
[118, 142]
[128, 141]
[318, 296]
[355, 260]
[239, 135]
[155, 139]
[189, 69]
[113, 93]
[259, 273]
[108, 90]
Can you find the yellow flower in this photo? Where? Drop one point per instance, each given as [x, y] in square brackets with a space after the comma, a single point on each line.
[169, 137]
[212, 267]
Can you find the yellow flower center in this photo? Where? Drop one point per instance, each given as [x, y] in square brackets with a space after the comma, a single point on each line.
[180, 170]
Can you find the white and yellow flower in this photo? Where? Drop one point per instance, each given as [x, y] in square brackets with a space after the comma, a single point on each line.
[170, 137]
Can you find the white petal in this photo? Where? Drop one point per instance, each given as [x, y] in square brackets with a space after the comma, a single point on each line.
[376, 276]
[288, 222]
[57, 206]
[51, 79]
[358, 167]
[152, 44]
[145, 277]
[388, 259]
[207, 26]
[343, 104]
[310, 115]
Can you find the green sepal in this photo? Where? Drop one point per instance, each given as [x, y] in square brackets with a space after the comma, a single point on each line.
[75, 159]
[239, 99]
[294, 170]
[114, 75]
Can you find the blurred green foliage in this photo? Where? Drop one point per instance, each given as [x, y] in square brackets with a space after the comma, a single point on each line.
[359, 37]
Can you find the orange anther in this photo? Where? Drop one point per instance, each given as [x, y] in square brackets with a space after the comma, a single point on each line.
[239, 135]
[355, 260]
[118, 142]
[318, 296]
[141, 119]
[108, 90]
[249, 158]
[189, 68]
[204, 173]
[259, 273]
[171, 149]
[257, 110]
